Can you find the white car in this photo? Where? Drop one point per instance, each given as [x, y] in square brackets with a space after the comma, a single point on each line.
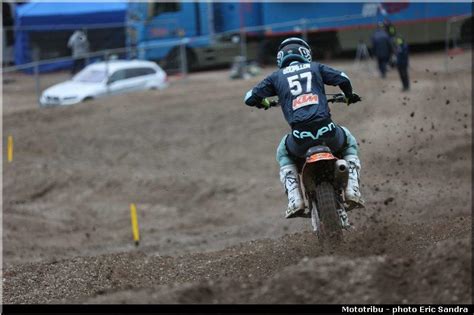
[100, 79]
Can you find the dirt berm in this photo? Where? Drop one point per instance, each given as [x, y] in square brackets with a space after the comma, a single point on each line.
[200, 167]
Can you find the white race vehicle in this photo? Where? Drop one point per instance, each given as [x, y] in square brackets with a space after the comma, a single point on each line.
[100, 79]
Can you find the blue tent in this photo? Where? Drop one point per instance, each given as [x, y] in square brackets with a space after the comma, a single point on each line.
[49, 22]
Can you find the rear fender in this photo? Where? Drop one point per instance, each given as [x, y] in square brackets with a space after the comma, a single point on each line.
[317, 168]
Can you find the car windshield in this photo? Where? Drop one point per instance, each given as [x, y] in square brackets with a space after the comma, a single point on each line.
[90, 76]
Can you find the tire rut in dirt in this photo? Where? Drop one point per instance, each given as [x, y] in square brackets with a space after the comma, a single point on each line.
[171, 152]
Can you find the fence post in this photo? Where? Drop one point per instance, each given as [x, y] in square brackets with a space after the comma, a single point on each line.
[128, 51]
[37, 84]
[448, 35]
[304, 29]
[243, 43]
[106, 60]
[36, 56]
[141, 52]
[183, 58]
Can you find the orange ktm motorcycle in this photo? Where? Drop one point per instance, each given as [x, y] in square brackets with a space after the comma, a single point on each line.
[324, 177]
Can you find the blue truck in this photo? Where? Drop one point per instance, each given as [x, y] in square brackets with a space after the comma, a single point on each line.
[212, 30]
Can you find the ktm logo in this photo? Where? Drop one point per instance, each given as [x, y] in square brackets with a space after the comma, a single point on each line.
[304, 100]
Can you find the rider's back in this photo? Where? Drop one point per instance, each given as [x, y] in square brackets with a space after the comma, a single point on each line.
[300, 90]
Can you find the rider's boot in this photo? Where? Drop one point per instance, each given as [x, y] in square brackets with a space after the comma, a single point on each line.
[290, 180]
[352, 193]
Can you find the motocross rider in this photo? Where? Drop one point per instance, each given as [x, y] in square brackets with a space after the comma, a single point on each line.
[299, 85]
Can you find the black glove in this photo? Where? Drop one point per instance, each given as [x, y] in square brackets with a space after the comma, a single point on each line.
[353, 98]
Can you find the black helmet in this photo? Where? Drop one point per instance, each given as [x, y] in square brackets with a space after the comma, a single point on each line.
[293, 49]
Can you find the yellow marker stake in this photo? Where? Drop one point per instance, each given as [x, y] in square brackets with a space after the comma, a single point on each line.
[10, 148]
[136, 233]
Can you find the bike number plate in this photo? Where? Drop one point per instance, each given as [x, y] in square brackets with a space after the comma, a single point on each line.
[320, 156]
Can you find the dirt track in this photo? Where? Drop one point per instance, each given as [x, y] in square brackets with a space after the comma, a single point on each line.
[200, 167]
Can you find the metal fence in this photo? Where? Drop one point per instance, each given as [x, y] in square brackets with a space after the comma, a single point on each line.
[452, 45]
[57, 36]
[57, 51]
[108, 55]
[239, 37]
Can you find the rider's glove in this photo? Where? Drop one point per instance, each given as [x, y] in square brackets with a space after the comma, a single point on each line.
[266, 104]
[353, 98]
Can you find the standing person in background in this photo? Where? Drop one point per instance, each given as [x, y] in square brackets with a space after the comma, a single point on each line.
[401, 51]
[80, 47]
[389, 28]
[392, 32]
[382, 48]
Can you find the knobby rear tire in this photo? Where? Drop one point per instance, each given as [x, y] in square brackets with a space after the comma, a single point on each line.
[331, 229]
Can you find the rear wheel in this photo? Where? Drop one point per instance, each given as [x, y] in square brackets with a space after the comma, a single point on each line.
[330, 226]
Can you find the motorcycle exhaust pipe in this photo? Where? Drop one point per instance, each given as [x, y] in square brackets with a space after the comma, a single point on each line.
[341, 172]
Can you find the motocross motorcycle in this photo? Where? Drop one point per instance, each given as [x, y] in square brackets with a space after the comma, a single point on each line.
[324, 177]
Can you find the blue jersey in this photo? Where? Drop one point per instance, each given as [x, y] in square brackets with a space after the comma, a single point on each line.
[300, 90]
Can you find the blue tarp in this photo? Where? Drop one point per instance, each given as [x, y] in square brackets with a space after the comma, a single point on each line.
[40, 16]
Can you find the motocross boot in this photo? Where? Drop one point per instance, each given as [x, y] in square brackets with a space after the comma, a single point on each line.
[290, 179]
[352, 193]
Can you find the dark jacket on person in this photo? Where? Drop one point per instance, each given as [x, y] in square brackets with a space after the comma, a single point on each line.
[305, 101]
[401, 51]
[381, 44]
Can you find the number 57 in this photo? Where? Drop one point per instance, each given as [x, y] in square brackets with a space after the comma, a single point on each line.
[295, 84]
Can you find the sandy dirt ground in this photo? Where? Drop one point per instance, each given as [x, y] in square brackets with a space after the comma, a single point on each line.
[200, 167]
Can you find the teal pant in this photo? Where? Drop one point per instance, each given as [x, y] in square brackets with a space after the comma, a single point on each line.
[350, 148]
